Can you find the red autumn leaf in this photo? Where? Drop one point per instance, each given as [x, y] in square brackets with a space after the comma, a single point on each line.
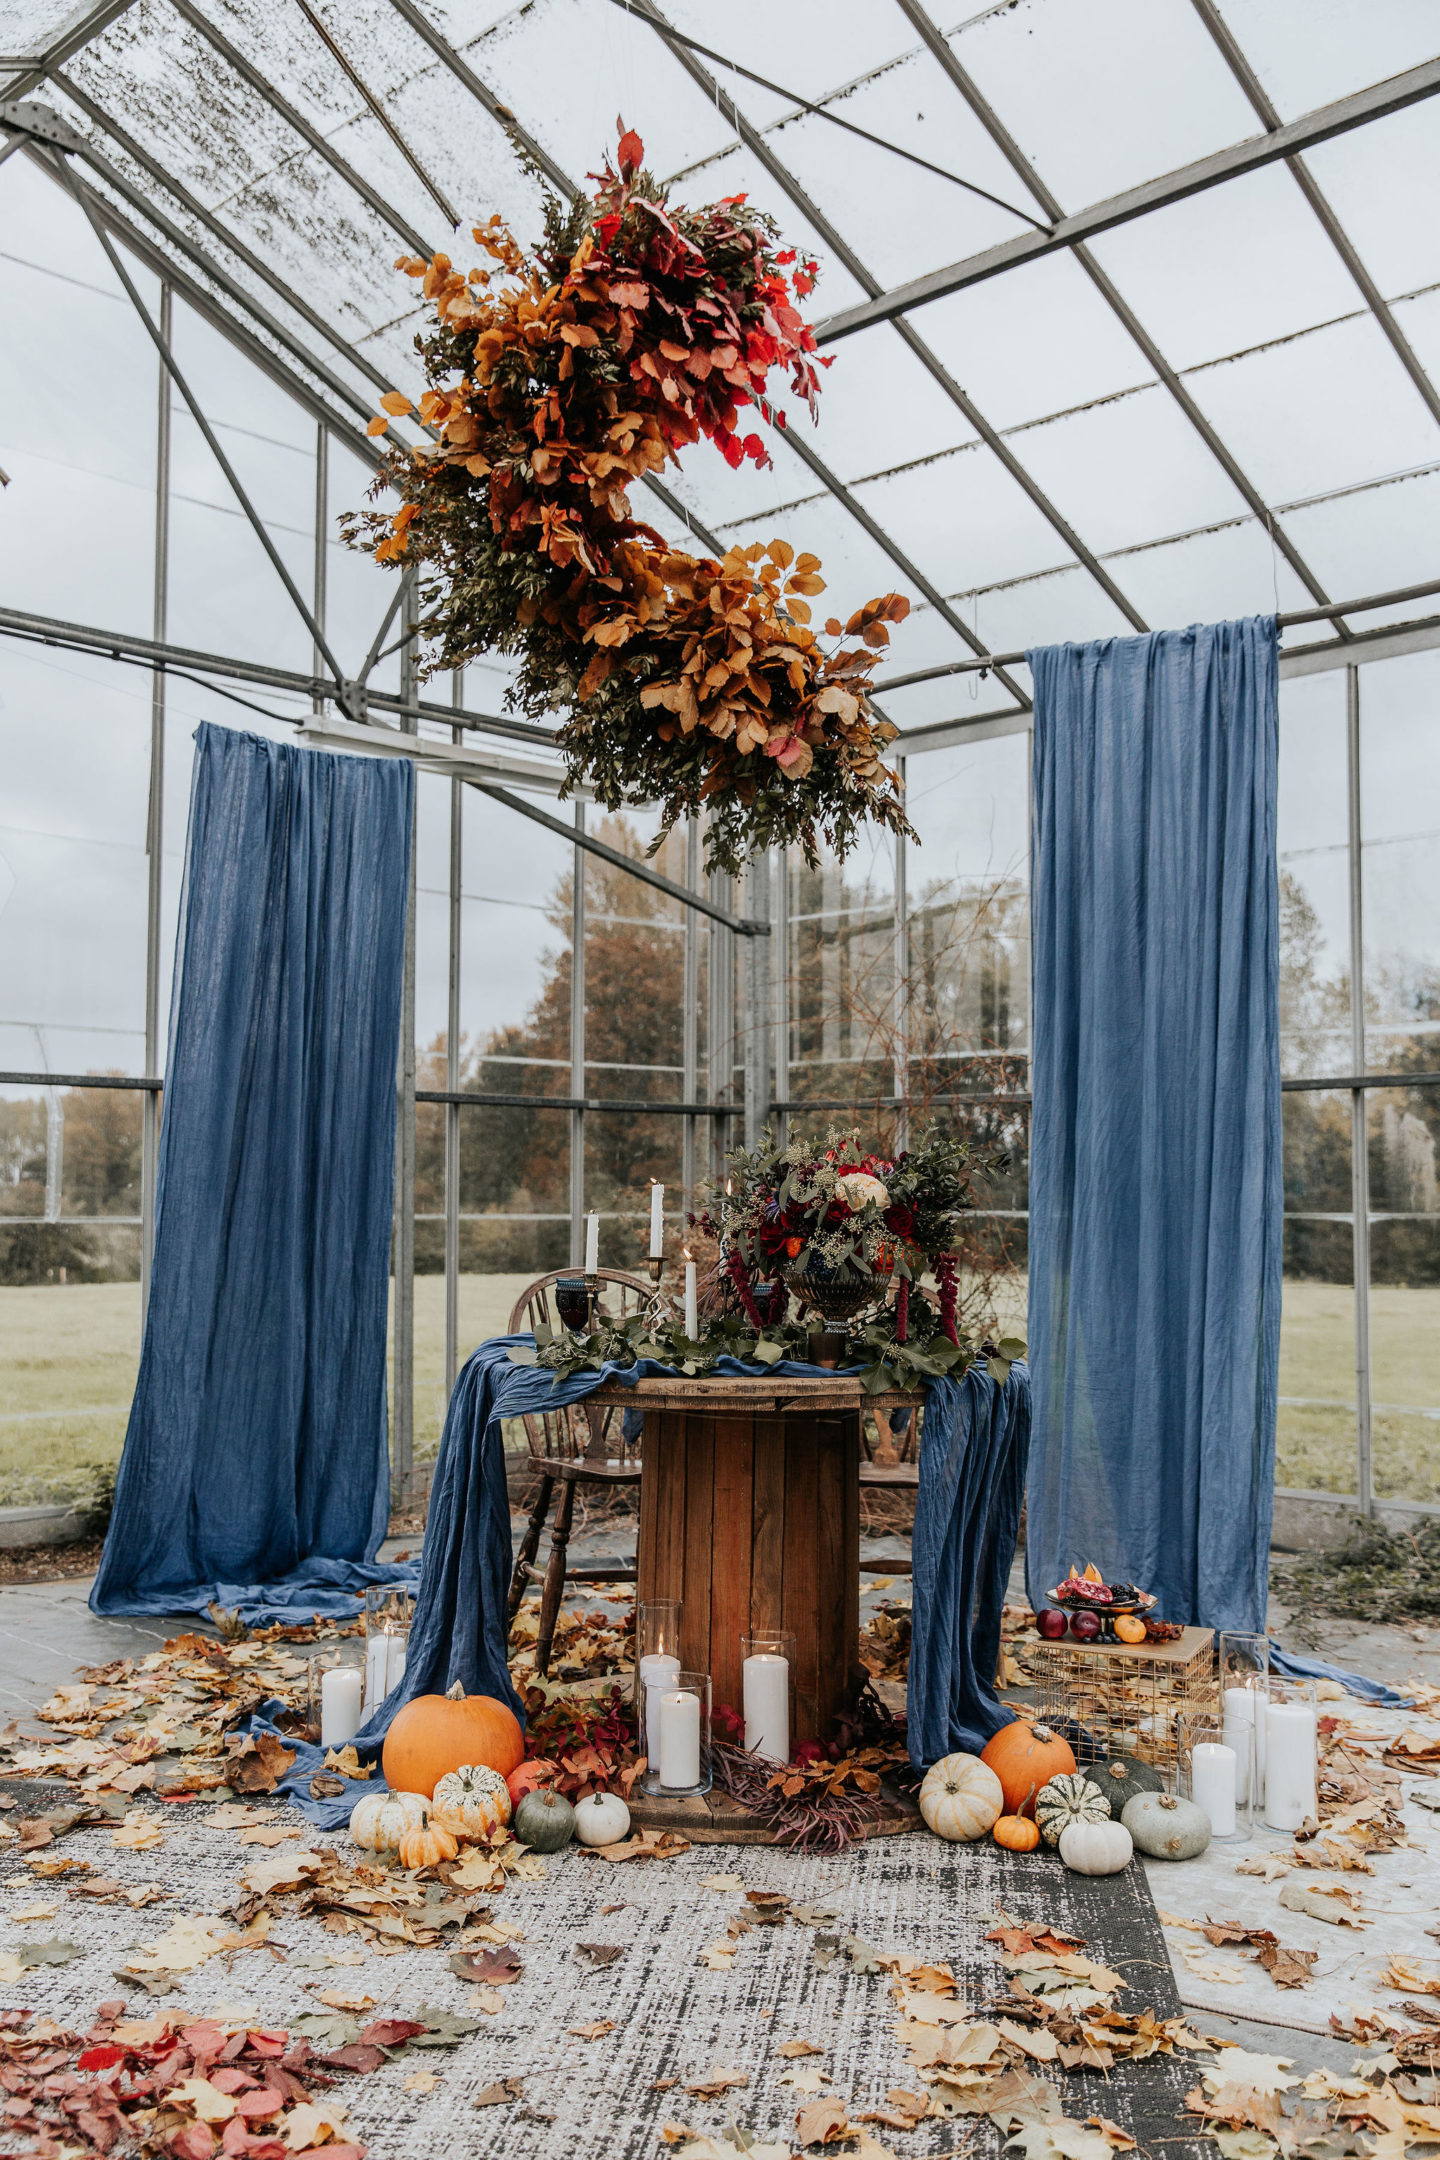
[256, 2105]
[100, 2058]
[195, 2142]
[389, 2032]
[631, 153]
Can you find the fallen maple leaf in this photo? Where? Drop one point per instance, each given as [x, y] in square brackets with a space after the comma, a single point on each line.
[501, 2092]
[423, 2081]
[269, 1834]
[794, 2048]
[594, 2031]
[600, 1953]
[718, 1956]
[714, 2082]
[721, 1882]
[822, 2123]
[140, 1832]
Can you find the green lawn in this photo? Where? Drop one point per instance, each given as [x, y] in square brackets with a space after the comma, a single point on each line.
[68, 1357]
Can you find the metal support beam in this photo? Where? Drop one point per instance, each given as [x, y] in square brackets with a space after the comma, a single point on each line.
[1322, 125]
[900, 987]
[1234, 57]
[741, 926]
[184, 659]
[943, 54]
[720, 1032]
[402, 1423]
[454, 928]
[780, 987]
[690, 1013]
[155, 826]
[577, 1041]
[320, 568]
[759, 1018]
[1359, 1125]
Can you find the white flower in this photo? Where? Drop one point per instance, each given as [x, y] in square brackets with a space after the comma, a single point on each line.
[860, 1190]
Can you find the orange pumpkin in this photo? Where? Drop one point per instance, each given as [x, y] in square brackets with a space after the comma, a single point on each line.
[1024, 1757]
[531, 1776]
[436, 1734]
[1016, 1833]
[1129, 1627]
[426, 1844]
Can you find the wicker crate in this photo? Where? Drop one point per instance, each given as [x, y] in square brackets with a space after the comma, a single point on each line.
[1119, 1698]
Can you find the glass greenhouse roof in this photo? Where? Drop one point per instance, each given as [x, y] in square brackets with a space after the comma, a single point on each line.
[1170, 352]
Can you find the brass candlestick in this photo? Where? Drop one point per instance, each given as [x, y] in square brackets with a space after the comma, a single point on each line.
[657, 1266]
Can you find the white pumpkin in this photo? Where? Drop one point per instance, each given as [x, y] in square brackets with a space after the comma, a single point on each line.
[601, 1818]
[961, 1798]
[1096, 1848]
[381, 1819]
[472, 1802]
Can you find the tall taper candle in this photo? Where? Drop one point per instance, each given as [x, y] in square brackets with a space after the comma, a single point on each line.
[657, 1222]
[692, 1303]
[592, 1243]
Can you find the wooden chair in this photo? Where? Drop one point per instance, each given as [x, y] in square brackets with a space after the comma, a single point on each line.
[579, 1444]
[891, 1459]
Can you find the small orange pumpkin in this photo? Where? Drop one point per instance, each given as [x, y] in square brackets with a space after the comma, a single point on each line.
[428, 1842]
[435, 1734]
[1016, 1833]
[1024, 1757]
[1129, 1628]
[531, 1776]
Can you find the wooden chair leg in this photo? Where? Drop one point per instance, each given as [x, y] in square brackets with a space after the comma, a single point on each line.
[554, 1588]
[529, 1546]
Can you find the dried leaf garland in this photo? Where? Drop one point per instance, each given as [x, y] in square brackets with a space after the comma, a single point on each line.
[633, 330]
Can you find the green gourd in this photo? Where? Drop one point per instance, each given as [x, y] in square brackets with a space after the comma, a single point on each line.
[1121, 1778]
[1166, 1828]
[1068, 1799]
[544, 1821]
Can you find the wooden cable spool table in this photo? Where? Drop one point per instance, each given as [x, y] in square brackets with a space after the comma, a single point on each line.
[750, 1515]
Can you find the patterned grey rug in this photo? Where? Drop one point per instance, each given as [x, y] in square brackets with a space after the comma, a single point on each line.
[673, 2017]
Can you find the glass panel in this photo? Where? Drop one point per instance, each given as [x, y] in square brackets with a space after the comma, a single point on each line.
[1404, 1129]
[1308, 56]
[1315, 1437]
[1370, 540]
[1400, 825]
[1091, 126]
[634, 967]
[78, 536]
[623, 1152]
[968, 930]
[74, 733]
[514, 953]
[1356, 172]
[1314, 880]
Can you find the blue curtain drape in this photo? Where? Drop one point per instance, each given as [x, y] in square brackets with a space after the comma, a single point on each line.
[1155, 1164]
[257, 1440]
[973, 1448]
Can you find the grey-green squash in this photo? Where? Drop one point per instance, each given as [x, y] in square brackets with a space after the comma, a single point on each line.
[1121, 1778]
[1166, 1828]
[544, 1820]
[1068, 1799]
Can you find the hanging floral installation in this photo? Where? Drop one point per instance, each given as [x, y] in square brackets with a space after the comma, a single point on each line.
[556, 380]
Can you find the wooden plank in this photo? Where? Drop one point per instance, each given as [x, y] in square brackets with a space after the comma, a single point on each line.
[665, 1474]
[801, 1584]
[835, 1567]
[730, 1553]
[699, 1531]
[855, 1671]
[767, 1525]
[650, 1484]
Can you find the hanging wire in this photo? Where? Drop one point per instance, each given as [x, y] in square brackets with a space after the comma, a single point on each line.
[670, 33]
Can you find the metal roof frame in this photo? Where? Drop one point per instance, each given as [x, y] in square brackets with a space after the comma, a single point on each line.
[177, 254]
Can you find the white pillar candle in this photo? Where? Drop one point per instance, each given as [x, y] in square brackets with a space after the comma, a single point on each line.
[592, 1243]
[395, 1665]
[767, 1705]
[657, 1672]
[679, 1739]
[1212, 1785]
[1244, 1706]
[657, 1222]
[1289, 1765]
[692, 1304]
[377, 1662]
[342, 1691]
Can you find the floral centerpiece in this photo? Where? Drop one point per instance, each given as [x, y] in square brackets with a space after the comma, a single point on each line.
[839, 1223]
[634, 328]
[838, 1226]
